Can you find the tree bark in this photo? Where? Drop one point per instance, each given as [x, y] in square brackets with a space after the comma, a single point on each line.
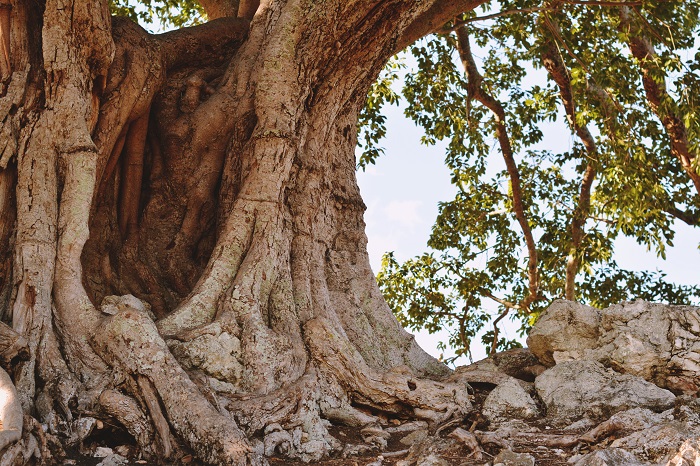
[183, 247]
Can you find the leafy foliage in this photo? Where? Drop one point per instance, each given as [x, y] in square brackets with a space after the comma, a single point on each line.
[477, 252]
[165, 13]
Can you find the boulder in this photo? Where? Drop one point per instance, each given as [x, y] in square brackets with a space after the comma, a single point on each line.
[660, 343]
[607, 457]
[509, 400]
[576, 389]
[508, 457]
[564, 332]
[658, 444]
[519, 363]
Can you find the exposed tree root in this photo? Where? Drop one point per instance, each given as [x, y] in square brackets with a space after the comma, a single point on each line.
[394, 392]
[130, 338]
[11, 416]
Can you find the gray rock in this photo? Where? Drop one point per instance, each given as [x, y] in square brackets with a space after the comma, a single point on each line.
[519, 363]
[432, 460]
[509, 400]
[688, 454]
[640, 418]
[416, 436]
[660, 343]
[576, 389]
[113, 460]
[608, 457]
[102, 452]
[508, 457]
[659, 443]
[564, 332]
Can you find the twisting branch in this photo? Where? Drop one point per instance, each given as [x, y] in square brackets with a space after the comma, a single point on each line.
[515, 11]
[5, 65]
[477, 92]
[554, 64]
[690, 218]
[494, 343]
[247, 9]
[584, 66]
[660, 102]
[219, 8]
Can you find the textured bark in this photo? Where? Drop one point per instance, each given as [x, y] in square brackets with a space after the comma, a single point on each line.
[182, 242]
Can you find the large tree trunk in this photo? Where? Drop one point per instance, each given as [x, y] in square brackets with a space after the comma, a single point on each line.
[181, 240]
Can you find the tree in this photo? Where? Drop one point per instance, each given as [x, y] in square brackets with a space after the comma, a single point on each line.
[624, 77]
[182, 247]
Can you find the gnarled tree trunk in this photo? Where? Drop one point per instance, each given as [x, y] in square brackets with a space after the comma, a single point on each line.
[181, 238]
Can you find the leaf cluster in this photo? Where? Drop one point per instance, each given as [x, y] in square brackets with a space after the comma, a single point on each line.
[165, 13]
[477, 251]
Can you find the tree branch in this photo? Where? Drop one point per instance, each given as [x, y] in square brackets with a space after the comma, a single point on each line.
[660, 102]
[603, 2]
[476, 91]
[554, 64]
[5, 64]
[500, 14]
[494, 343]
[516, 11]
[199, 44]
[432, 20]
[219, 8]
[690, 218]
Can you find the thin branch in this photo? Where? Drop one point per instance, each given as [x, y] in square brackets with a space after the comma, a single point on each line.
[690, 218]
[560, 40]
[502, 302]
[515, 11]
[607, 221]
[494, 343]
[660, 102]
[476, 91]
[604, 3]
[554, 63]
[500, 14]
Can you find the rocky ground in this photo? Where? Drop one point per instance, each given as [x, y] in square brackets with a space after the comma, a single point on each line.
[594, 387]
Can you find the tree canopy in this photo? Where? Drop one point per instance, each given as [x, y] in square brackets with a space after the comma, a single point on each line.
[625, 79]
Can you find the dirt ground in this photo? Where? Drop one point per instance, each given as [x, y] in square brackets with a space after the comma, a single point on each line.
[455, 454]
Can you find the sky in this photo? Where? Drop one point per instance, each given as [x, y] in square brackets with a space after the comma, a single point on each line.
[403, 189]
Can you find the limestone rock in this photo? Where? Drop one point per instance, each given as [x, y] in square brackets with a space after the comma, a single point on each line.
[688, 454]
[519, 363]
[508, 457]
[564, 332]
[659, 443]
[660, 343]
[509, 400]
[608, 457]
[576, 389]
